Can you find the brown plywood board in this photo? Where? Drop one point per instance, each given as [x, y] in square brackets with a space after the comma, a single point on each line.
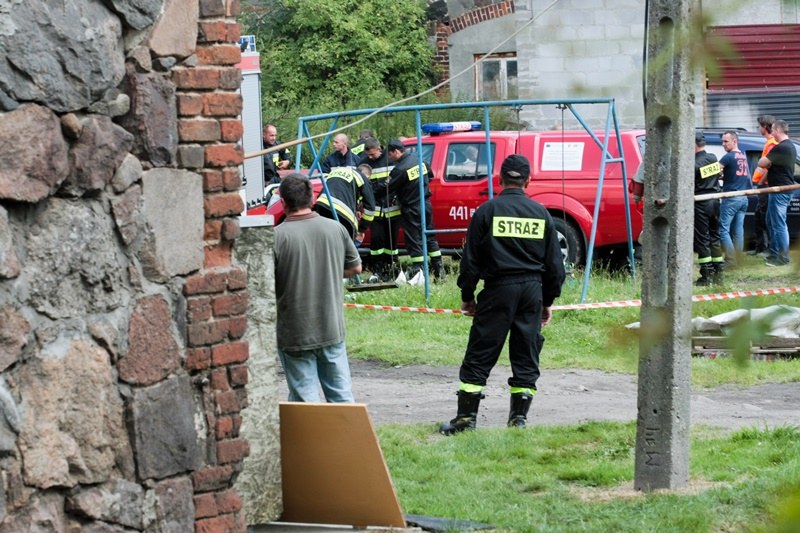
[333, 469]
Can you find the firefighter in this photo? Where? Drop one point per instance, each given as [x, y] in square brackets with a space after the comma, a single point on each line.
[349, 190]
[707, 243]
[384, 230]
[513, 247]
[404, 183]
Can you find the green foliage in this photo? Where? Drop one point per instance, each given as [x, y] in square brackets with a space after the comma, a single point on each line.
[579, 478]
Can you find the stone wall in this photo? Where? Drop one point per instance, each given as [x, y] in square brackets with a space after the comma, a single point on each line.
[122, 357]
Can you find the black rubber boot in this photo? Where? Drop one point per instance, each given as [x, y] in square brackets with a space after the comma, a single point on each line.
[518, 412]
[706, 275]
[438, 269]
[716, 276]
[467, 415]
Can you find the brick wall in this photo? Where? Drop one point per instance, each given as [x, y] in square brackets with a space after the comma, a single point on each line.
[208, 123]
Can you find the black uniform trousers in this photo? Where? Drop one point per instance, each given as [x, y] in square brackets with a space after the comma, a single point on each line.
[323, 211]
[505, 306]
[760, 231]
[383, 241]
[707, 243]
[413, 232]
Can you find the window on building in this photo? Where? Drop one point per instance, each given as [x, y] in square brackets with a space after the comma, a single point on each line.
[496, 78]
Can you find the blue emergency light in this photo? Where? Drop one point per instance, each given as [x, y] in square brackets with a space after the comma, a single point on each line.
[446, 127]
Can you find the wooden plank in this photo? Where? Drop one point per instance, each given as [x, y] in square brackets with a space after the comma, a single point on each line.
[333, 469]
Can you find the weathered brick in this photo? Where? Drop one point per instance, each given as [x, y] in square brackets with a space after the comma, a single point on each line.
[190, 104]
[237, 424]
[218, 255]
[224, 428]
[230, 229]
[241, 394]
[231, 130]
[228, 501]
[237, 278]
[197, 77]
[232, 451]
[211, 31]
[212, 230]
[198, 130]
[205, 505]
[232, 352]
[191, 156]
[230, 304]
[218, 524]
[237, 327]
[206, 282]
[213, 8]
[234, 8]
[219, 54]
[198, 358]
[239, 375]
[231, 179]
[221, 205]
[198, 309]
[212, 180]
[224, 155]
[206, 333]
[219, 380]
[222, 104]
[227, 402]
[230, 78]
[212, 478]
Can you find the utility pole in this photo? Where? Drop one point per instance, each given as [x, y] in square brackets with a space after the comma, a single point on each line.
[662, 431]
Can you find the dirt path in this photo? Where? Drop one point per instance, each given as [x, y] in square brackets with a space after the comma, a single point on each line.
[420, 393]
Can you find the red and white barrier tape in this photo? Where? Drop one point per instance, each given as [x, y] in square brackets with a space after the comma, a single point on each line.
[597, 305]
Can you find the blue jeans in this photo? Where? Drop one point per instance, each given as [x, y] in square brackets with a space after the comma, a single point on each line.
[731, 225]
[777, 205]
[307, 370]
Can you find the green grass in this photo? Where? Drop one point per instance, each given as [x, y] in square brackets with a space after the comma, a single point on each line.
[595, 338]
[580, 478]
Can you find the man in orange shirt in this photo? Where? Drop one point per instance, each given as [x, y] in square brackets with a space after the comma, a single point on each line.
[760, 233]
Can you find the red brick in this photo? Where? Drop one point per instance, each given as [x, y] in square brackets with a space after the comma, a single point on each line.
[223, 155]
[198, 130]
[234, 8]
[237, 327]
[218, 255]
[198, 359]
[234, 33]
[212, 180]
[219, 380]
[206, 333]
[198, 309]
[232, 352]
[230, 229]
[212, 230]
[230, 78]
[229, 501]
[205, 505]
[230, 304]
[212, 478]
[190, 105]
[227, 402]
[218, 524]
[219, 54]
[231, 129]
[216, 30]
[196, 77]
[222, 205]
[212, 8]
[224, 427]
[222, 104]
[239, 375]
[237, 278]
[231, 179]
[206, 282]
[232, 451]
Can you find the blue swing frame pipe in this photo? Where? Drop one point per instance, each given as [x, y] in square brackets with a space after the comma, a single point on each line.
[611, 117]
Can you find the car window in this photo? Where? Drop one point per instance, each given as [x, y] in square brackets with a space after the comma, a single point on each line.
[466, 161]
[427, 151]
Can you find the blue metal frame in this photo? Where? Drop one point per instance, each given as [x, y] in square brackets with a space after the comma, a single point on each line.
[611, 120]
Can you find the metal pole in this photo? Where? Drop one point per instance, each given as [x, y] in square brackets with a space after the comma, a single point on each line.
[662, 429]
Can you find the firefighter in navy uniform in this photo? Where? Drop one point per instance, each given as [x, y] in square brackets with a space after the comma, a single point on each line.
[512, 245]
[707, 243]
[386, 226]
[349, 190]
[404, 183]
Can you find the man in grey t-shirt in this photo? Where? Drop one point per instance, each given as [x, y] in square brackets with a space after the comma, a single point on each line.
[312, 255]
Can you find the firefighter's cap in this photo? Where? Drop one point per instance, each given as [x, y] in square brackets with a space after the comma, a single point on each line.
[396, 144]
[516, 167]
